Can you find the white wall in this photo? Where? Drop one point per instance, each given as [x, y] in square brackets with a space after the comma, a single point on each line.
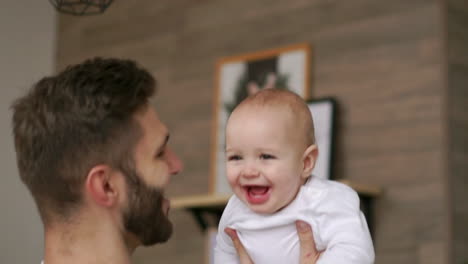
[27, 43]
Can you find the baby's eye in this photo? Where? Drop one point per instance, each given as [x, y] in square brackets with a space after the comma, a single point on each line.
[234, 157]
[266, 156]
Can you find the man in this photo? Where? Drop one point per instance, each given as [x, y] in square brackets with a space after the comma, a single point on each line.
[95, 157]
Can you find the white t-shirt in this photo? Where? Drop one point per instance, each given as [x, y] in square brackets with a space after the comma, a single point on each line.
[332, 210]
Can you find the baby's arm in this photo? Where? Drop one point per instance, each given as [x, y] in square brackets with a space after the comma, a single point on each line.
[343, 228]
[225, 252]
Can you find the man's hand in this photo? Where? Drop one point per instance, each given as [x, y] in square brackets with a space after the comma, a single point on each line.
[308, 255]
[241, 252]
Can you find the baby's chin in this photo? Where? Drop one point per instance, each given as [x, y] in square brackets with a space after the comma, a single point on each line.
[264, 209]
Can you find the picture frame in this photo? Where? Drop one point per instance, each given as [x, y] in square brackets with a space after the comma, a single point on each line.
[238, 76]
[324, 117]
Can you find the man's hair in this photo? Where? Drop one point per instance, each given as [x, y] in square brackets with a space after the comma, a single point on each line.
[292, 102]
[70, 122]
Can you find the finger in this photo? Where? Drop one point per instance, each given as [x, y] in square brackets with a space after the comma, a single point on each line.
[308, 250]
[241, 252]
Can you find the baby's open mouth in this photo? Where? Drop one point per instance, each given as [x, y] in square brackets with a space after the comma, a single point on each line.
[257, 190]
[257, 194]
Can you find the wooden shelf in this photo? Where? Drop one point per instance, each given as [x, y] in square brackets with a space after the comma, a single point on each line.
[364, 189]
[203, 200]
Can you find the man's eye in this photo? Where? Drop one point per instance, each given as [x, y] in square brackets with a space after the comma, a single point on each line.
[266, 156]
[234, 157]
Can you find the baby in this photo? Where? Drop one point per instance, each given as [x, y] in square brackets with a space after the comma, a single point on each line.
[271, 152]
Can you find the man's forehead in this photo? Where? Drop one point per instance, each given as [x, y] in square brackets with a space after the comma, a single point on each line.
[151, 124]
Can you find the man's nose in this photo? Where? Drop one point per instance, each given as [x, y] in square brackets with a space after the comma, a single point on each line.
[175, 164]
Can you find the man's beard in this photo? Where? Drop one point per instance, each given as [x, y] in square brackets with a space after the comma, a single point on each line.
[144, 216]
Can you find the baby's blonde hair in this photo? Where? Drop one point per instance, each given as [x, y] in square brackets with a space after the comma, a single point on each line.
[285, 98]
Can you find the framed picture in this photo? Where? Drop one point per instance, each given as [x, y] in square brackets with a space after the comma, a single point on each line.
[239, 76]
[323, 113]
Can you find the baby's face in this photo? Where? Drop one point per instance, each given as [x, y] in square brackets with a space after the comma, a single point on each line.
[264, 158]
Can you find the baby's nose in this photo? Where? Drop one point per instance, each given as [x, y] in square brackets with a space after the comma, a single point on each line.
[250, 172]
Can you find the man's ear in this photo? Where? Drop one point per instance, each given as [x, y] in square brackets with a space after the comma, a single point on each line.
[308, 160]
[102, 185]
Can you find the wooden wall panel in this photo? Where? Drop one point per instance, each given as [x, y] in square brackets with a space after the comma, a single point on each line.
[457, 101]
[382, 60]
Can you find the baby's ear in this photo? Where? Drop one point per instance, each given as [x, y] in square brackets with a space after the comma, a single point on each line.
[308, 160]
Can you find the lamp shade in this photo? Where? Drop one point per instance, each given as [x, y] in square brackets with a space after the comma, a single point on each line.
[81, 7]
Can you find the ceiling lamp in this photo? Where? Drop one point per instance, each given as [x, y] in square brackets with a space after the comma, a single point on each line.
[81, 7]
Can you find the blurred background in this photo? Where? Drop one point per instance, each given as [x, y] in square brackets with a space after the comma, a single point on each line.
[398, 70]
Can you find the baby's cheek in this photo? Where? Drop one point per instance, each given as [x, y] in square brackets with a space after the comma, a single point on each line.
[231, 180]
[231, 174]
[288, 184]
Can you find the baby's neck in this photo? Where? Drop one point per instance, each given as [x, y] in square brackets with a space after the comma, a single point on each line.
[306, 180]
